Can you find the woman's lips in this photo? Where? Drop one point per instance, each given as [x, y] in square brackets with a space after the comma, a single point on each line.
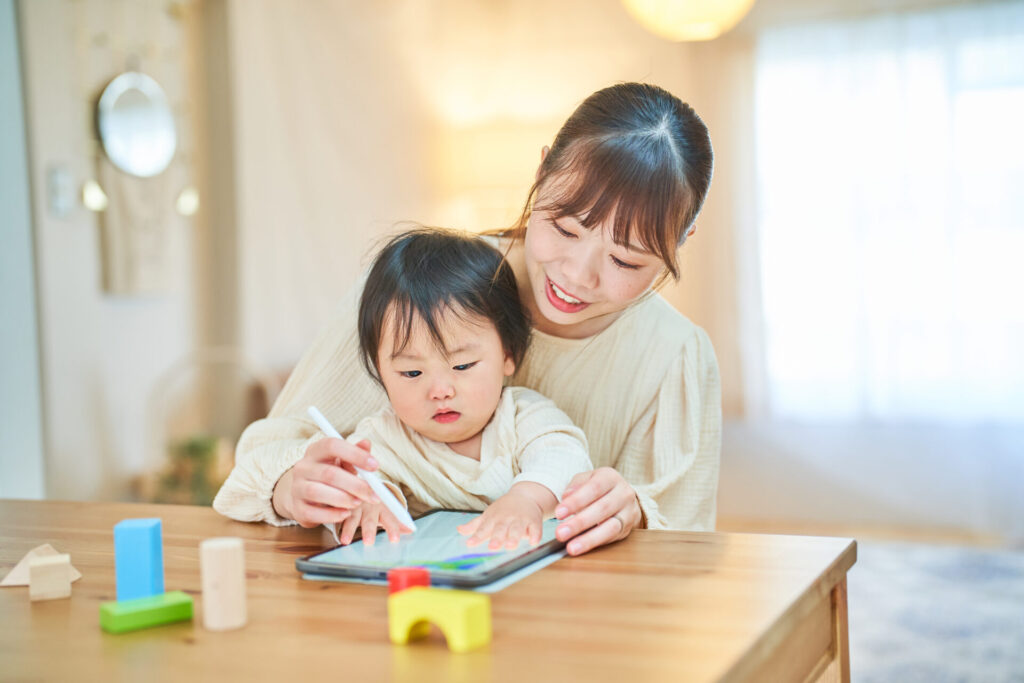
[559, 303]
[447, 416]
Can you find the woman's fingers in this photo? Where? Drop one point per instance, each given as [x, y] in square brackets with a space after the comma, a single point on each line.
[319, 493]
[605, 532]
[343, 481]
[605, 504]
[309, 516]
[339, 452]
[584, 489]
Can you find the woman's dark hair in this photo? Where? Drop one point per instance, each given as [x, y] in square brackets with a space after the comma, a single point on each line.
[432, 272]
[633, 150]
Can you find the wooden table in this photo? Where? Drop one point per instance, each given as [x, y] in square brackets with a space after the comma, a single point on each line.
[661, 605]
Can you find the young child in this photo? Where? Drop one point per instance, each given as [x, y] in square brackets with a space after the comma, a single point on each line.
[441, 326]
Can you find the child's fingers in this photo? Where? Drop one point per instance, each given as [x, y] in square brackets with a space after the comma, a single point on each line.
[533, 532]
[392, 527]
[499, 535]
[483, 531]
[516, 532]
[369, 526]
[349, 526]
[470, 527]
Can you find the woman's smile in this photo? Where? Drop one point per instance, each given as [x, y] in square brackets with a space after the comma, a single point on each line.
[562, 300]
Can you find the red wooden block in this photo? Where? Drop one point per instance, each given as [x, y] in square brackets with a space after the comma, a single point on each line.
[401, 578]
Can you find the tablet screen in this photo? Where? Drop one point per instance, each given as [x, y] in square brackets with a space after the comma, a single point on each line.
[436, 545]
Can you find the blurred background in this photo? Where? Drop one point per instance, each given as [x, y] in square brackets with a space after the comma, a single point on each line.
[856, 263]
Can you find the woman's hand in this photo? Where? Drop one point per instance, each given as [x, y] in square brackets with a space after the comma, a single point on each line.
[370, 516]
[322, 487]
[600, 503]
[516, 515]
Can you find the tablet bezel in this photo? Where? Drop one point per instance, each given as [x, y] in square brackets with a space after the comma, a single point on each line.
[438, 577]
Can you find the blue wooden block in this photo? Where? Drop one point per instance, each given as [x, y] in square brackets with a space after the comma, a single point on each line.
[138, 558]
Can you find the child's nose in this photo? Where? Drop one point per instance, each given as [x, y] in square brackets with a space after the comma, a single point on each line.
[441, 390]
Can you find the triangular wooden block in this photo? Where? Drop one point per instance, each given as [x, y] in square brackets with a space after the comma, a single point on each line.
[19, 575]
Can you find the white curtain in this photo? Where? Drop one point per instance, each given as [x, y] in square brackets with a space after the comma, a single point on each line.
[890, 187]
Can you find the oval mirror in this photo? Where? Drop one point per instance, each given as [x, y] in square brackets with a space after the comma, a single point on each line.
[136, 125]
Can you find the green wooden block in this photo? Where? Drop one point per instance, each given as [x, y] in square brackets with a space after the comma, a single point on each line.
[152, 610]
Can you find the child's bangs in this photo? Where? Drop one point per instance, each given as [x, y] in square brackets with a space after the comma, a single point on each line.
[405, 310]
[645, 193]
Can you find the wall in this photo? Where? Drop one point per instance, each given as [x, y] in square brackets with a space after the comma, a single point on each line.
[101, 355]
[354, 116]
[21, 429]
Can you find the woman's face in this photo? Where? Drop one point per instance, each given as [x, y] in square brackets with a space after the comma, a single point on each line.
[579, 278]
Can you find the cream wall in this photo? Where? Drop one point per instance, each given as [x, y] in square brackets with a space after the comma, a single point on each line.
[101, 355]
[354, 116]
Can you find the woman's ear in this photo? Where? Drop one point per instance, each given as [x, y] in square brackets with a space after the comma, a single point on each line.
[543, 155]
[510, 366]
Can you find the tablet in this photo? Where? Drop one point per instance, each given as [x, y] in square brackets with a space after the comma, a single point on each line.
[436, 545]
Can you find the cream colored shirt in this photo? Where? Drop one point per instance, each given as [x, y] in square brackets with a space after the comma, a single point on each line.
[645, 391]
[527, 439]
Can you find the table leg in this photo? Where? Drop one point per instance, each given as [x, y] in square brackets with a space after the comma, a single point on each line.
[841, 630]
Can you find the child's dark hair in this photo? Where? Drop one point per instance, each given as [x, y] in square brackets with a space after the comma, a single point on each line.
[429, 272]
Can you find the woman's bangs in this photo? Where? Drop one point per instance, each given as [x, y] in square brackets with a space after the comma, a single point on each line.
[647, 200]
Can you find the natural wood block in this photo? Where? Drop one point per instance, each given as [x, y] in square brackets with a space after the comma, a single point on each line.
[49, 577]
[222, 567]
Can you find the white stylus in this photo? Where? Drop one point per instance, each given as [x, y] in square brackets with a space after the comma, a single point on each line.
[382, 491]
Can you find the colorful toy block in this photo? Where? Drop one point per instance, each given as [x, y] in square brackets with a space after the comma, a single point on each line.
[401, 578]
[222, 568]
[138, 558]
[464, 617]
[49, 577]
[152, 610]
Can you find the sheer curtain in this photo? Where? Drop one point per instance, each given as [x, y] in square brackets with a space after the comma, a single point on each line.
[890, 186]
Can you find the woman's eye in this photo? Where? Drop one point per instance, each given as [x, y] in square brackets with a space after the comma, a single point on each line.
[562, 232]
[466, 366]
[623, 264]
[410, 373]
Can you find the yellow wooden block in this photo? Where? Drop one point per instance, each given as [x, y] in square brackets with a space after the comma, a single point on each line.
[464, 617]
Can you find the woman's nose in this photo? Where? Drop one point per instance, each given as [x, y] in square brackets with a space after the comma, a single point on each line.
[582, 267]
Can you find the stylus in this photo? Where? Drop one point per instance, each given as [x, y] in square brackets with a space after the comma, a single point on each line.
[382, 491]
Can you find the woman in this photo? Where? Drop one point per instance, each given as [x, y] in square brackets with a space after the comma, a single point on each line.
[614, 199]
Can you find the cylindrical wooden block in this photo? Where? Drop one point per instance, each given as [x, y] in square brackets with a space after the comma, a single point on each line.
[222, 566]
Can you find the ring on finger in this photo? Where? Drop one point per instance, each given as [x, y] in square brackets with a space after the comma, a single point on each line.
[622, 525]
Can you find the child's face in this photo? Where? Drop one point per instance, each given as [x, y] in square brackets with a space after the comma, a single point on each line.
[445, 397]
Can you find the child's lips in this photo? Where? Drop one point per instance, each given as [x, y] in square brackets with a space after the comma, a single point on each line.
[446, 416]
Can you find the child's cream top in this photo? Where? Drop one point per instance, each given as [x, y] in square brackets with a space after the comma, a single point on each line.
[528, 439]
[645, 391]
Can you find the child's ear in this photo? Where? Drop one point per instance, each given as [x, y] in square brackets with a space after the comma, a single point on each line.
[509, 367]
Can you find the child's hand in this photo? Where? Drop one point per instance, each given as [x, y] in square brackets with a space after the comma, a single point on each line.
[506, 521]
[370, 516]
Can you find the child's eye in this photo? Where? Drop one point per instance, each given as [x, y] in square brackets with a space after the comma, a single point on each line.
[623, 264]
[466, 366]
[561, 231]
[410, 373]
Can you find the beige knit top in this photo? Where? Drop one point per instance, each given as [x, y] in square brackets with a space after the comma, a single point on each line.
[527, 439]
[645, 391]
